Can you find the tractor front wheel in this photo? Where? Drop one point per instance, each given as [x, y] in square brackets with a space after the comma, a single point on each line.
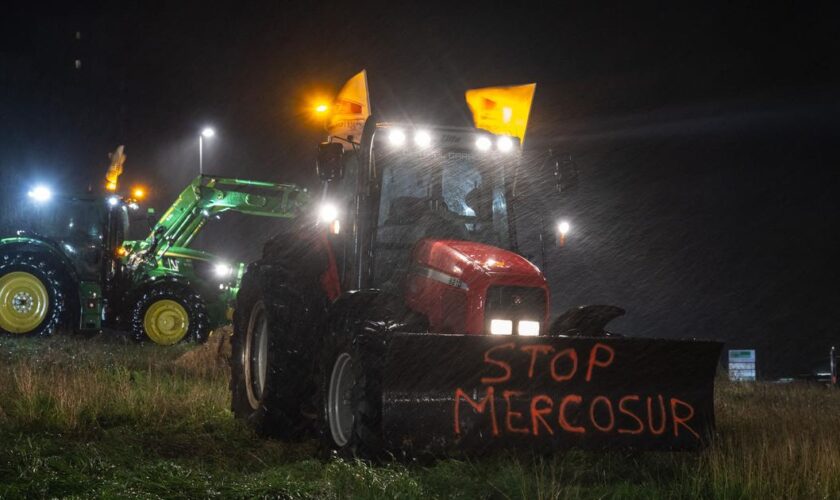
[350, 391]
[168, 314]
[32, 299]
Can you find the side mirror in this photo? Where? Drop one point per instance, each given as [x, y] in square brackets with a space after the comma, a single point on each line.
[330, 161]
[563, 169]
[151, 218]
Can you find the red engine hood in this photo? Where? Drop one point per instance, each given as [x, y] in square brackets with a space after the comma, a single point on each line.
[472, 262]
[450, 280]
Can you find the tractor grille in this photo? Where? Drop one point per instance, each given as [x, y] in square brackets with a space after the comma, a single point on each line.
[514, 303]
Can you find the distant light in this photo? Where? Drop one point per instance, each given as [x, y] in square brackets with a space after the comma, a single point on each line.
[396, 137]
[563, 227]
[133, 206]
[138, 193]
[321, 109]
[40, 194]
[504, 144]
[121, 251]
[222, 270]
[327, 213]
[208, 132]
[483, 143]
[113, 200]
[422, 139]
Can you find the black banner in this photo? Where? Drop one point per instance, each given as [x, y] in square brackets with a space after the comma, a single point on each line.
[463, 393]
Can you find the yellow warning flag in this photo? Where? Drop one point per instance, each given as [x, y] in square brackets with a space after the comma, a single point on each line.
[502, 110]
[350, 110]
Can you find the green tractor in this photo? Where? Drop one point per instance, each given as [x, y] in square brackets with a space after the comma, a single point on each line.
[73, 269]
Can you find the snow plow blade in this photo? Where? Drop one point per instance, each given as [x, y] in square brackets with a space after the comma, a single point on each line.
[455, 394]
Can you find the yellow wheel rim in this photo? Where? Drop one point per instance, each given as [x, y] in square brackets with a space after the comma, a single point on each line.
[23, 302]
[166, 322]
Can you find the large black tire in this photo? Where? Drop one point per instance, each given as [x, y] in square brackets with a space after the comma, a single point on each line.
[15, 300]
[266, 380]
[350, 388]
[196, 324]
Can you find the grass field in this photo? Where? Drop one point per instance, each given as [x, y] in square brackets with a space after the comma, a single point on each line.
[104, 417]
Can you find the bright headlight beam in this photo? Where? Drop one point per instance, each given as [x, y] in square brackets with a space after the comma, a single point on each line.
[564, 227]
[222, 270]
[113, 200]
[327, 213]
[504, 144]
[529, 328]
[501, 327]
[40, 194]
[422, 139]
[483, 143]
[396, 137]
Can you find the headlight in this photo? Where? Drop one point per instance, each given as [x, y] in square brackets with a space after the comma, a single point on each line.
[563, 227]
[422, 139]
[501, 327]
[327, 213]
[222, 270]
[529, 328]
[504, 144]
[396, 137]
[40, 194]
[483, 143]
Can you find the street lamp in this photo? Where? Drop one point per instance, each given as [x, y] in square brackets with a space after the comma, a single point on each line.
[208, 133]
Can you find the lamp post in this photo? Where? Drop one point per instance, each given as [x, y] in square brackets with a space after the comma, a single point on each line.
[208, 133]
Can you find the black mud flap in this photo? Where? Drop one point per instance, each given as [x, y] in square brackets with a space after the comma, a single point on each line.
[456, 394]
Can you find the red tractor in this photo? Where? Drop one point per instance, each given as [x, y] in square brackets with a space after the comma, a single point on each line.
[403, 318]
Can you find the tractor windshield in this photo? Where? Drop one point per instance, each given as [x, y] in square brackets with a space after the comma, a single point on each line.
[70, 219]
[445, 194]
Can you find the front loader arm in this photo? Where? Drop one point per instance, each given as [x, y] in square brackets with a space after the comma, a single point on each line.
[207, 196]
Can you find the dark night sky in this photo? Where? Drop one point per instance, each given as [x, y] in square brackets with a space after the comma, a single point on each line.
[705, 135]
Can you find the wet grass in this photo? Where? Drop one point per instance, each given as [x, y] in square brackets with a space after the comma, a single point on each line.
[104, 417]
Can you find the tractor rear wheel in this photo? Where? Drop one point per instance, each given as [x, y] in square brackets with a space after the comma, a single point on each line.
[169, 313]
[32, 298]
[265, 385]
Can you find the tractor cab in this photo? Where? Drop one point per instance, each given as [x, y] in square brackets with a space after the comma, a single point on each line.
[449, 191]
[88, 230]
[408, 183]
[428, 215]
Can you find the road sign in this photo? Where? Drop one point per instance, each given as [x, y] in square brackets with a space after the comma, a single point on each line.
[742, 365]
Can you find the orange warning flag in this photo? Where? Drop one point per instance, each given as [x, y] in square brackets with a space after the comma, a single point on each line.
[350, 110]
[115, 169]
[502, 110]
